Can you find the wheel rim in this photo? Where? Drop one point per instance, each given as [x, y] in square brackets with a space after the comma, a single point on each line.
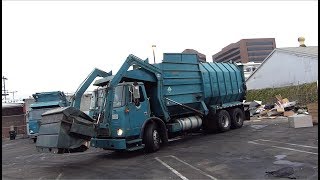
[238, 119]
[225, 121]
[156, 137]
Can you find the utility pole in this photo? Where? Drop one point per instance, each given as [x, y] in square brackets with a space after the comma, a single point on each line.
[4, 93]
[154, 57]
[13, 95]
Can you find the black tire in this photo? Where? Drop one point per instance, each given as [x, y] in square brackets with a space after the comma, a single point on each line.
[34, 140]
[237, 118]
[210, 124]
[223, 120]
[152, 139]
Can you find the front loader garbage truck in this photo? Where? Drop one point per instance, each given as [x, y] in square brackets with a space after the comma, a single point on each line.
[143, 105]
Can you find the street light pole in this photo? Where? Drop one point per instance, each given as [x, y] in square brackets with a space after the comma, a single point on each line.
[154, 57]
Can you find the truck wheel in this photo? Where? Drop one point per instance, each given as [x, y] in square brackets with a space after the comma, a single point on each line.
[223, 120]
[237, 118]
[152, 138]
[34, 140]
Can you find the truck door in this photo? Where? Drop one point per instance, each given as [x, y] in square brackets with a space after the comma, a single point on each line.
[138, 111]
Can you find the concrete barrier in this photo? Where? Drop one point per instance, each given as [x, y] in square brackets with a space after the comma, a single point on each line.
[300, 120]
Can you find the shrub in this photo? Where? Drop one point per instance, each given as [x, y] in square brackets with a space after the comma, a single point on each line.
[302, 94]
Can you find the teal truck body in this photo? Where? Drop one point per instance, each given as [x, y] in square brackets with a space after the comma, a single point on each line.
[147, 104]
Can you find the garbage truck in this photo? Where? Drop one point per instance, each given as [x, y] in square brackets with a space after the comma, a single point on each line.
[44, 101]
[143, 105]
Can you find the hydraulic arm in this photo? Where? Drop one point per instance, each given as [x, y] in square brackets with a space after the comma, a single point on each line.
[76, 99]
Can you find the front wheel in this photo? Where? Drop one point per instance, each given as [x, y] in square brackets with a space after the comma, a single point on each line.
[152, 138]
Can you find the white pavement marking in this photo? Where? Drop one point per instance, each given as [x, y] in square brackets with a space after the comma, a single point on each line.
[78, 154]
[9, 144]
[26, 156]
[287, 143]
[175, 139]
[202, 172]
[59, 176]
[291, 149]
[171, 169]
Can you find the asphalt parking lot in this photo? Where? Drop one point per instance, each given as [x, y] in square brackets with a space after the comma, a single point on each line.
[245, 153]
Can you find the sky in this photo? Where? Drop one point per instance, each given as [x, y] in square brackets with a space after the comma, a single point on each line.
[54, 45]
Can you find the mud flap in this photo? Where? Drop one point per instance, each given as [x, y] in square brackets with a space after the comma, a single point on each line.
[65, 129]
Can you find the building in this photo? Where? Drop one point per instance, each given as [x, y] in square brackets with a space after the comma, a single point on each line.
[286, 67]
[13, 114]
[201, 56]
[246, 50]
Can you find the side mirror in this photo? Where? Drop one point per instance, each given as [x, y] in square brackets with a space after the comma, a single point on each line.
[136, 93]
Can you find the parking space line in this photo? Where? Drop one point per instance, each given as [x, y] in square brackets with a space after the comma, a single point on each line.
[286, 143]
[175, 139]
[171, 169]
[59, 176]
[202, 172]
[291, 149]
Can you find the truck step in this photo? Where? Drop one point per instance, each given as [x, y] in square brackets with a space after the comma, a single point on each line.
[136, 148]
[134, 141]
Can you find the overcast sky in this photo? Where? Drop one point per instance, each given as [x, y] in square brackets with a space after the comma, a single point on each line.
[54, 45]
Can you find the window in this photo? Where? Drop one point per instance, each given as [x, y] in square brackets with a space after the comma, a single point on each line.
[100, 95]
[119, 97]
[225, 53]
[259, 48]
[231, 55]
[235, 58]
[141, 99]
[256, 59]
[259, 43]
[97, 98]
[259, 53]
[141, 94]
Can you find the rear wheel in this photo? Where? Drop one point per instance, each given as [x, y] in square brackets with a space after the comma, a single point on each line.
[237, 118]
[223, 120]
[152, 138]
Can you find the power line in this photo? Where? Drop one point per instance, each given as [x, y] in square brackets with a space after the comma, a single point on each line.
[13, 100]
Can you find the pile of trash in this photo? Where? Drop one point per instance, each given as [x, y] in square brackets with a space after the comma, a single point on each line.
[282, 107]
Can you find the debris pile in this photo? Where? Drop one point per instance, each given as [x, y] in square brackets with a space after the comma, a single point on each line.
[282, 107]
[313, 111]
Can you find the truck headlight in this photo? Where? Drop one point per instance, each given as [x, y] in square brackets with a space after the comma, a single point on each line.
[119, 132]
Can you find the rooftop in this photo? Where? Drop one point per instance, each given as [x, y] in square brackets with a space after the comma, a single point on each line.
[11, 105]
[309, 50]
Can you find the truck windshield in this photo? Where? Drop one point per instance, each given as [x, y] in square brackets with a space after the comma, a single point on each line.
[35, 114]
[99, 94]
[119, 96]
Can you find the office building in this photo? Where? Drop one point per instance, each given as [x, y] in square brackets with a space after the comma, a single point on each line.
[246, 50]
